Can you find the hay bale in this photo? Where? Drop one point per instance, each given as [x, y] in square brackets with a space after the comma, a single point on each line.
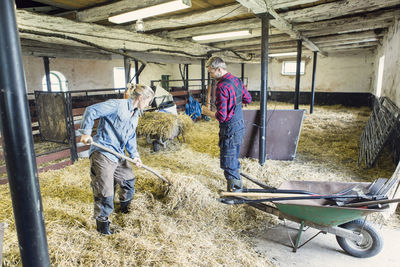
[163, 126]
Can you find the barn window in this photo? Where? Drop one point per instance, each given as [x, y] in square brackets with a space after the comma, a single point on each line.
[58, 82]
[289, 67]
[380, 76]
[119, 77]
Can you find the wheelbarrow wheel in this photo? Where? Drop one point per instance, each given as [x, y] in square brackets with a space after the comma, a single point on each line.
[370, 245]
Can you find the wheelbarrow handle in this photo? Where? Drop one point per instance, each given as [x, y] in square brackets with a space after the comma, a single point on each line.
[130, 160]
[268, 195]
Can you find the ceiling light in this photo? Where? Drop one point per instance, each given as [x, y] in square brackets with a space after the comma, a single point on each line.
[221, 35]
[151, 11]
[283, 54]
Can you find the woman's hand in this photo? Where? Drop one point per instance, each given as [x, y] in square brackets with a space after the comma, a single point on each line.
[137, 162]
[86, 139]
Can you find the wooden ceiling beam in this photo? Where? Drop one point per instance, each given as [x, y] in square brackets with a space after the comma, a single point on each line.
[279, 4]
[290, 44]
[336, 9]
[211, 15]
[351, 46]
[103, 12]
[59, 30]
[252, 23]
[265, 6]
[370, 21]
[70, 5]
[364, 22]
[360, 36]
[253, 41]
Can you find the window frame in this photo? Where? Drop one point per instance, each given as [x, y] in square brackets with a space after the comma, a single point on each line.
[302, 67]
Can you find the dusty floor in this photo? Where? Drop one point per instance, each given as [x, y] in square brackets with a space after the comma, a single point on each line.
[324, 249]
[185, 225]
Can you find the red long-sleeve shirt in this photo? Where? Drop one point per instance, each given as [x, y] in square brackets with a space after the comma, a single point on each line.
[225, 97]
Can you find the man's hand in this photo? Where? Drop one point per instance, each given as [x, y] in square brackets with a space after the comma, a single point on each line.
[86, 139]
[137, 162]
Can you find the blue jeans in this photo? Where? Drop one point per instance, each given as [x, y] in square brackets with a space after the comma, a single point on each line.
[229, 153]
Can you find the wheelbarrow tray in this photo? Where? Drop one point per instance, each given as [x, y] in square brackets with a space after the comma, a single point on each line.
[321, 211]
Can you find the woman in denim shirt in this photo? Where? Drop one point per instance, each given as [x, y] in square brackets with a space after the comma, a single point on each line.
[116, 131]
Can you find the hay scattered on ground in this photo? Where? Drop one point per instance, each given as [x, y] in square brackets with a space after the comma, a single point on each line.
[184, 225]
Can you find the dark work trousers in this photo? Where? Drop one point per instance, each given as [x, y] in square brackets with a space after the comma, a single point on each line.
[231, 135]
[106, 175]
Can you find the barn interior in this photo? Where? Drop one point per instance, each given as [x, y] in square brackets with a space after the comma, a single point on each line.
[329, 65]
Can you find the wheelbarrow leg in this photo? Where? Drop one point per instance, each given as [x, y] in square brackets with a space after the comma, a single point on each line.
[296, 244]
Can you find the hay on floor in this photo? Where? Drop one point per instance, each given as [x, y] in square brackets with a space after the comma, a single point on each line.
[185, 225]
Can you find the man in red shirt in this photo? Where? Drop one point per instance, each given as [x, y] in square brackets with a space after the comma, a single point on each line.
[230, 94]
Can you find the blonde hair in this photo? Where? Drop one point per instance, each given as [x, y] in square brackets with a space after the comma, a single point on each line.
[136, 90]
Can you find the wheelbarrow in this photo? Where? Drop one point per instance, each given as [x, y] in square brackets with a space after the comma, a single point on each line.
[338, 208]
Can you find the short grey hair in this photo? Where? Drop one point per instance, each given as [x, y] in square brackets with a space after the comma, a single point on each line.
[215, 63]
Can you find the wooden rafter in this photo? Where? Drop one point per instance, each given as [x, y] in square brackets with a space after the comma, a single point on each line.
[336, 9]
[365, 22]
[213, 15]
[103, 12]
[253, 41]
[52, 29]
[263, 6]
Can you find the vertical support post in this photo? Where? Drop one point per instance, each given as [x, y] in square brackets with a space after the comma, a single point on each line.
[71, 126]
[15, 125]
[203, 84]
[127, 68]
[209, 92]
[47, 72]
[187, 76]
[264, 86]
[313, 81]
[136, 70]
[298, 66]
[242, 74]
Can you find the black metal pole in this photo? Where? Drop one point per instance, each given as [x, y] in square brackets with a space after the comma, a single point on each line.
[136, 69]
[298, 66]
[187, 76]
[264, 86]
[242, 69]
[15, 125]
[127, 68]
[203, 82]
[47, 72]
[313, 81]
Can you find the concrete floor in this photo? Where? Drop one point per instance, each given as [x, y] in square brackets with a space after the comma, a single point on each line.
[323, 250]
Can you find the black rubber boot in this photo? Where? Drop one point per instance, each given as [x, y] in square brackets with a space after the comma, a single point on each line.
[103, 227]
[234, 185]
[124, 206]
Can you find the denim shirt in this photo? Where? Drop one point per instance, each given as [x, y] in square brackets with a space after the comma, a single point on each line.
[116, 129]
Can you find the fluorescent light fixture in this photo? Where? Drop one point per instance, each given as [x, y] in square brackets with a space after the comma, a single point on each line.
[151, 11]
[221, 35]
[283, 54]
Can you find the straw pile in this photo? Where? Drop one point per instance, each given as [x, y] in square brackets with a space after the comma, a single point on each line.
[164, 126]
[185, 225]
